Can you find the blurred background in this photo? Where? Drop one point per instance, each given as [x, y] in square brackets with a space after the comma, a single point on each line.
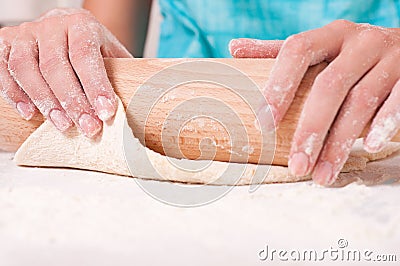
[14, 12]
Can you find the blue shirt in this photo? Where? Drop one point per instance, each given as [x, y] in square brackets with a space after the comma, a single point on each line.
[203, 28]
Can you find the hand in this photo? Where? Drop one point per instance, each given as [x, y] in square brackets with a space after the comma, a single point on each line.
[360, 83]
[55, 65]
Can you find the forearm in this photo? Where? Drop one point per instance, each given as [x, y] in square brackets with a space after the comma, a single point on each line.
[126, 19]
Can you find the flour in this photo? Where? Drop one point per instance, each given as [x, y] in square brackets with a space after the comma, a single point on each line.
[248, 149]
[382, 132]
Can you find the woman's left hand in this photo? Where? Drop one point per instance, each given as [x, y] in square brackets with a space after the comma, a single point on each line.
[362, 82]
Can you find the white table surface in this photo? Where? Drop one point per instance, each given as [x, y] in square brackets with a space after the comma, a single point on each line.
[71, 217]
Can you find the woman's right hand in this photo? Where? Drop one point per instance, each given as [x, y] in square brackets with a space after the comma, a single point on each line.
[55, 65]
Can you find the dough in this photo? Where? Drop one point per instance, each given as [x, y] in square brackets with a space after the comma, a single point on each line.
[47, 147]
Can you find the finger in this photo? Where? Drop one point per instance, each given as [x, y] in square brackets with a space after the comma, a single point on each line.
[24, 68]
[86, 58]
[327, 95]
[359, 107]
[58, 73]
[296, 55]
[10, 90]
[112, 47]
[253, 48]
[386, 123]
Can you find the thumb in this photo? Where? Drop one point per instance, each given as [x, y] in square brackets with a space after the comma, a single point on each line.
[253, 48]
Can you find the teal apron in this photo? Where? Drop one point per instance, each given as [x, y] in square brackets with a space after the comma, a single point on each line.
[203, 28]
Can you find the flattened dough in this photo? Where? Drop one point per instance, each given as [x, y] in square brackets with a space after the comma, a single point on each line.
[47, 147]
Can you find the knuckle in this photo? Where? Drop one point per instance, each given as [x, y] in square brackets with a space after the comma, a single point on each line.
[76, 106]
[63, 12]
[19, 56]
[8, 35]
[298, 44]
[386, 37]
[15, 62]
[23, 53]
[51, 63]
[373, 34]
[84, 35]
[78, 17]
[24, 25]
[19, 61]
[363, 96]
[325, 77]
[78, 53]
[3, 51]
[395, 54]
[84, 16]
[329, 79]
[85, 29]
[5, 33]
[341, 24]
[55, 12]
[27, 27]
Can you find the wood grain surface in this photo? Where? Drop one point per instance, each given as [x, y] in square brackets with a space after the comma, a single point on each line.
[190, 108]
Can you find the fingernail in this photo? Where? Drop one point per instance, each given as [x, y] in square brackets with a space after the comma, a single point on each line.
[323, 174]
[232, 42]
[299, 164]
[375, 141]
[89, 125]
[60, 120]
[26, 110]
[266, 115]
[104, 107]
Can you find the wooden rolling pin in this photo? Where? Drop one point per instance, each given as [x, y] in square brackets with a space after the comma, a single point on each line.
[176, 115]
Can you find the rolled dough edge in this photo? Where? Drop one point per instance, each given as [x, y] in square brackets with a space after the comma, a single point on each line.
[47, 147]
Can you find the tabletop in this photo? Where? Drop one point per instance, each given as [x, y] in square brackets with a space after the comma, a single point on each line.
[78, 217]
